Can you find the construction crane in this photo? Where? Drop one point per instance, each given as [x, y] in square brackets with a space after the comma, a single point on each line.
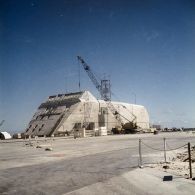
[2, 122]
[117, 115]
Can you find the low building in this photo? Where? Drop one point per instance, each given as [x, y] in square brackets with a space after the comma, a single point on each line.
[158, 127]
[65, 113]
[5, 135]
[17, 136]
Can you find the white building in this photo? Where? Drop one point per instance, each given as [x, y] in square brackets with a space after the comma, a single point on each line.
[5, 135]
[63, 113]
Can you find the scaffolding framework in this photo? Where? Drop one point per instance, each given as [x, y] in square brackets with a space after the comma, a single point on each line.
[105, 88]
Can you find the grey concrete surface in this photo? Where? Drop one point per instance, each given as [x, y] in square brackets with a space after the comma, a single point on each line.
[97, 165]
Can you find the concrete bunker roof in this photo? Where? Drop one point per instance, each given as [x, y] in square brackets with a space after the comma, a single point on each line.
[72, 98]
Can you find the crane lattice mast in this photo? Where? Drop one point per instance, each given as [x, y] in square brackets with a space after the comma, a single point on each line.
[99, 88]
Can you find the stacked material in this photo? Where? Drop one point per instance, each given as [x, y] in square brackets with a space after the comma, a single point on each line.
[103, 131]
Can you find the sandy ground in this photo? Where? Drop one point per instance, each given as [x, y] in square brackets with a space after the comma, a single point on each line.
[178, 163]
[97, 165]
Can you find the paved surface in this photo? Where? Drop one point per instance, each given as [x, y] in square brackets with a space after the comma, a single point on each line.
[98, 165]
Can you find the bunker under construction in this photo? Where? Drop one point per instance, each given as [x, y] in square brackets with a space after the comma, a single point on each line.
[66, 113]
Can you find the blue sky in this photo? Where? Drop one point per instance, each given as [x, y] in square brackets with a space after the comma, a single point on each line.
[146, 47]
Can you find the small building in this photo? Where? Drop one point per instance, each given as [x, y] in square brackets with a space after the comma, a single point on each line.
[64, 113]
[158, 127]
[17, 136]
[5, 135]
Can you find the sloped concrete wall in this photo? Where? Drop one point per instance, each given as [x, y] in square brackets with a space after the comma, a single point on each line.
[70, 109]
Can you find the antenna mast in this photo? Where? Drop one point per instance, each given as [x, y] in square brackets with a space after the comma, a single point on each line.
[79, 76]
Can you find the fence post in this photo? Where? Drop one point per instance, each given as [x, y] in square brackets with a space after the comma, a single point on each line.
[165, 148]
[140, 154]
[190, 161]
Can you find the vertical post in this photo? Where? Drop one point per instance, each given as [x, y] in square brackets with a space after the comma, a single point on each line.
[134, 97]
[75, 134]
[165, 148]
[190, 161]
[140, 154]
[83, 132]
[79, 76]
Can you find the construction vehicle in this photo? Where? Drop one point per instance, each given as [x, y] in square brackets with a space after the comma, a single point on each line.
[129, 126]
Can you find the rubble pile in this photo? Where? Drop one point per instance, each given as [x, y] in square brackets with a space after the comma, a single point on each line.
[183, 157]
[179, 165]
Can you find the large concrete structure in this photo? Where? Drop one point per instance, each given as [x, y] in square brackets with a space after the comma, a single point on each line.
[65, 113]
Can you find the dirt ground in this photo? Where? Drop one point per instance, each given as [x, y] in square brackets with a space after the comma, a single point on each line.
[178, 163]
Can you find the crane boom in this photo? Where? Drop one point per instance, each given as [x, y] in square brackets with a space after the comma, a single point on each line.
[110, 106]
[90, 74]
[2, 122]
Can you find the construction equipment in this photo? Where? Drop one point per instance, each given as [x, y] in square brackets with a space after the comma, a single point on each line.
[2, 122]
[122, 128]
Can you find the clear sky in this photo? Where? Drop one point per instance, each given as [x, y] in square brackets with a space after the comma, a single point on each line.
[146, 47]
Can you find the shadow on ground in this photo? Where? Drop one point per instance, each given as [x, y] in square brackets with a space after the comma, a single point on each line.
[66, 175]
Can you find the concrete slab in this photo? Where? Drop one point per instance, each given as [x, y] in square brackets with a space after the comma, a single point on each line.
[139, 181]
[99, 165]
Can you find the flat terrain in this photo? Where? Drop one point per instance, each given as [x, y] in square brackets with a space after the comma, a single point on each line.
[96, 165]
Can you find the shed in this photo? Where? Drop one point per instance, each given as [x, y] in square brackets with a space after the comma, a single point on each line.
[5, 135]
